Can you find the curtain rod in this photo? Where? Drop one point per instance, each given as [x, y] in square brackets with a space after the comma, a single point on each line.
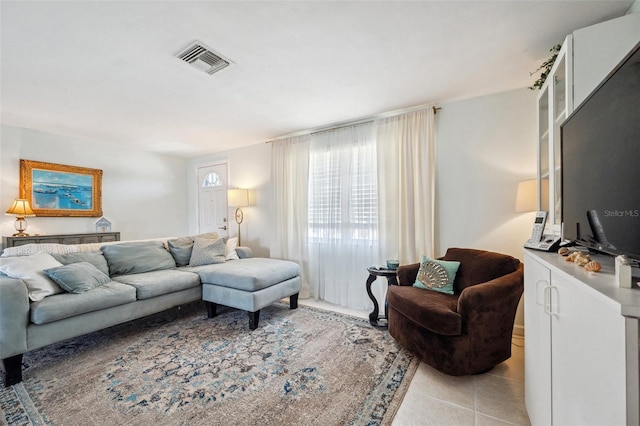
[364, 120]
[354, 124]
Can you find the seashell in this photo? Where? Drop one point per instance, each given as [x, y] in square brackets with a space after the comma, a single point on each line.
[572, 256]
[564, 251]
[582, 259]
[592, 266]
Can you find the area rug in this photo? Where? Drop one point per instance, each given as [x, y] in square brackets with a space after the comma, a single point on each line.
[303, 366]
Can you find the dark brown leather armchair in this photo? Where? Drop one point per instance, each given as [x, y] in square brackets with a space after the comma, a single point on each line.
[466, 332]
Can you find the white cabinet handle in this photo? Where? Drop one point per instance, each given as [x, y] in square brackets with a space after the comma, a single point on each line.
[539, 293]
[550, 308]
[553, 305]
[547, 299]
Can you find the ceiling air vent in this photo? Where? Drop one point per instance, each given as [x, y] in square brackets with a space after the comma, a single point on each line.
[201, 57]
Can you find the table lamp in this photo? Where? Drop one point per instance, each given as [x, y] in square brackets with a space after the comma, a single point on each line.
[20, 209]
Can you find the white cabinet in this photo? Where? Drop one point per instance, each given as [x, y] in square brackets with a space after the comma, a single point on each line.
[586, 58]
[537, 344]
[581, 350]
[555, 103]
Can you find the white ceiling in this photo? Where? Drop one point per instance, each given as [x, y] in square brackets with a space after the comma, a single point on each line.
[106, 71]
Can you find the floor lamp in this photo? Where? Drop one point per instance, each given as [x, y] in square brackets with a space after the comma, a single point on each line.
[238, 198]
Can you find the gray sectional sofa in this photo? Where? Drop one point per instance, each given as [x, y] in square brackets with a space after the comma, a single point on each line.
[57, 292]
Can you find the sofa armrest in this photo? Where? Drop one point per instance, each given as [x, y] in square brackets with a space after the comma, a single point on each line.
[492, 305]
[14, 316]
[244, 252]
[407, 274]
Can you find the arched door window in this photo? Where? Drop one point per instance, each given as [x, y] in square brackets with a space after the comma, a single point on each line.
[212, 180]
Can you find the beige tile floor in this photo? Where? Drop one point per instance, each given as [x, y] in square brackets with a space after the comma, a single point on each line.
[433, 398]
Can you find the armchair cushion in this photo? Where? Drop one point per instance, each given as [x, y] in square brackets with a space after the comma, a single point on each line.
[434, 311]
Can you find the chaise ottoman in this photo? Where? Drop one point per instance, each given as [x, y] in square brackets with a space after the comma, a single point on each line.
[249, 284]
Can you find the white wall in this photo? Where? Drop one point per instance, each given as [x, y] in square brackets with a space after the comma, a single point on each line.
[143, 194]
[485, 146]
[250, 168]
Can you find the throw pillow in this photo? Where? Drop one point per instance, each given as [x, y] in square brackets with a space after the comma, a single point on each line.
[96, 258]
[180, 249]
[30, 270]
[230, 249]
[77, 277]
[29, 249]
[207, 251]
[137, 257]
[436, 275]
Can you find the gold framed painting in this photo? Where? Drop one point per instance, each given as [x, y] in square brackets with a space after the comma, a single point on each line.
[61, 190]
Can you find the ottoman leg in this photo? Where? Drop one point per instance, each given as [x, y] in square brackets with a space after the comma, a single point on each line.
[254, 317]
[293, 301]
[211, 309]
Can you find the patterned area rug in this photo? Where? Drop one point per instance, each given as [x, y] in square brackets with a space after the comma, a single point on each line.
[302, 366]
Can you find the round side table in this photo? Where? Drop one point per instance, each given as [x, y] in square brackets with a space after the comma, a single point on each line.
[392, 279]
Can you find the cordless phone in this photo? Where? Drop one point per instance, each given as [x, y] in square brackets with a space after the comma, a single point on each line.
[538, 240]
[538, 227]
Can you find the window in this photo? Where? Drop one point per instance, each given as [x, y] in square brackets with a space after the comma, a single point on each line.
[211, 180]
[343, 196]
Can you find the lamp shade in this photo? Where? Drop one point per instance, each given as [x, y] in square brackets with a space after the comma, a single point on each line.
[20, 208]
[238, 197]
[526, 198]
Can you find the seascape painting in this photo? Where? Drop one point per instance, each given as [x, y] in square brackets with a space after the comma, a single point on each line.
[54, 190]
[61, 190]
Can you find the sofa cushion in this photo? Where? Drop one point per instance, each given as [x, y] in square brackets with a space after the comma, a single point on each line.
[65, 305]
[207, 251]
[30, 269]
[156, 283]
[479, 266]
[180, 248]
[248, 274]
[434, 311]
[77, 277]
[230, 252]
[436, 275]
[96, 258]
[34, 248]
[138, 257]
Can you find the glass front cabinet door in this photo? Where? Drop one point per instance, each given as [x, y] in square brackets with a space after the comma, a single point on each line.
[555, 103]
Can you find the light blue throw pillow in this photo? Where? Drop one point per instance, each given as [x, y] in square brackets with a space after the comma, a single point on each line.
[77, 277]
[96, 258]
[180, 249]
[137, 257]
[436, 275]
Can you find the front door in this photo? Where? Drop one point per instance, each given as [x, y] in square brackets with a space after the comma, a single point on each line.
[212, 199]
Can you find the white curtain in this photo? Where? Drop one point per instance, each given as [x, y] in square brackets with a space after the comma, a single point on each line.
[290, 177]
[351, 198]
[406, 183]
[343, 225]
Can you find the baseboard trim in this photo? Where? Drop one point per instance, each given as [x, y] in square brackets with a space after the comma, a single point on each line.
[518, 330]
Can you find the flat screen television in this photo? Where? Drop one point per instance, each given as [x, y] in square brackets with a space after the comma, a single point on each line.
[600, 162]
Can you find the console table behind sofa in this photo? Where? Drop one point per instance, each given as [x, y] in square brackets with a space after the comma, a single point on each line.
[94, 237]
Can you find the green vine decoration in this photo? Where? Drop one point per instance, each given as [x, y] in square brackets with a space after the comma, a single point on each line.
[546, 68]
